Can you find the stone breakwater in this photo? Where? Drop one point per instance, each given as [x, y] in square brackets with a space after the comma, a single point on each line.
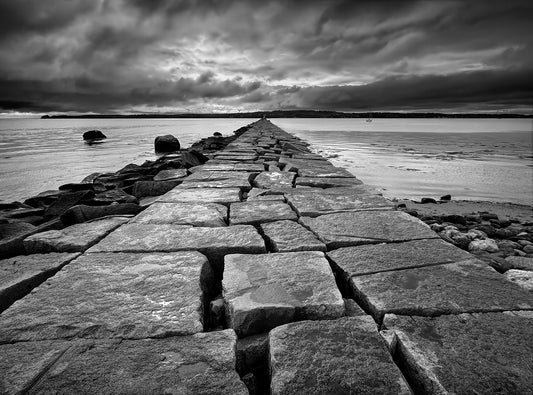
[266, 270]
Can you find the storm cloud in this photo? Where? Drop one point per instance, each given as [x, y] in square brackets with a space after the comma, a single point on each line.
[221, 55]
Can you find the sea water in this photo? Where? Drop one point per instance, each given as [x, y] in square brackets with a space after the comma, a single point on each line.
[472, 159]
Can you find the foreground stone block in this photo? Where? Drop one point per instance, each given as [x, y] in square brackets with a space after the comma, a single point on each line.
[115, 296]
[195, 214]
[289, 236]
[317, 203]
[344, 356]
[19, 275]
[368, 259]
[202, 195]
[487, 353]
[452, 288]
[203, 363]
[268, 180]
[75, 238]
[213, 242]
[264, 291]
[260, 211]
[356, 228]
[218, 179]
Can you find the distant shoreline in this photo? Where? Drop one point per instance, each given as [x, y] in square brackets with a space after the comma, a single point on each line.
[293, 114]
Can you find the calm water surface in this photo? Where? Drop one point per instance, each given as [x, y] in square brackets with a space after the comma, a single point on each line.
[471, 159]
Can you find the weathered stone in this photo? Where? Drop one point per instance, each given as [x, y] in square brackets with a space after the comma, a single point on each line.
[264, 291]
[325, 171]
[487, 353]
[115, 296]
[19, 275]
[14, 229]
[83, 213]
[166, 143]
[203, 363]
[114, 195]
[365, 227]
[314, 203]
[268, 180]
[520, 262]
[195, 214]
[368, 259]
[352, 309]
[261, 211]
[203, 195]
[344, 356]
[94, 135]
[65, 201]
[276, 198]
[75, 238]
[170, 174]
[523, 278]
[213, 242]
[218, 179]
[326, 182]
[252, 353]
[289, 236]
[153, 188]
[452, 288]
[488, 245]
[236, 157]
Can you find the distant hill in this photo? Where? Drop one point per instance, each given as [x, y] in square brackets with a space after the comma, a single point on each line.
[298, 114]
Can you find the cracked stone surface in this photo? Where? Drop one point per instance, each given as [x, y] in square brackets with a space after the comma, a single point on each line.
[218, 179]
[260, 211]
[344, 356]
[289, 236]
[213, 242]
[20, 274]
[364, 227]
[195, 214]
[488, 353]
[75, 238]
[203, 363]
[223, 196]
[452, 288]
[264, 291]
[114, 296]
[317, 203]
[268, 180]
[374, 258]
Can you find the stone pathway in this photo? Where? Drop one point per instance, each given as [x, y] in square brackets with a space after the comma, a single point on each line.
[266, 270]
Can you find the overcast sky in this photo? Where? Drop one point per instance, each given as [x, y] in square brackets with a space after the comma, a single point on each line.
[220, 55]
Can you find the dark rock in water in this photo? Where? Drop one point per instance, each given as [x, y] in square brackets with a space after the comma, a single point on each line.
[77, 187]
[446, 198]
[66, 201]
[401, 205]
[193, 158]
[427, 200]
[83, 213]
[217, 134]
[167, 143]
[413, 213]
[94, 135]
[488, 216]
[153, 188]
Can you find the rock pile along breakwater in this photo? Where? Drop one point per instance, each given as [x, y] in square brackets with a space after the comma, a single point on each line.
[266, 270]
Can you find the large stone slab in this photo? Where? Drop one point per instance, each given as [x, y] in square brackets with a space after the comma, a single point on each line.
[195, 214]
[170, 174]
[260, 211]
[366, 227]
[115, 296]
[218, 179]
[489, 353]
[344, 356]
[268, 180]
[264, 291]
[75, 238]
[236, 157]
[289, 236]
[19, 275]
[203, 363]
[368, 259]
[317, 203]
[213, 242]
[202, 195]
[452, 288]
[326, 182]
[326, 171]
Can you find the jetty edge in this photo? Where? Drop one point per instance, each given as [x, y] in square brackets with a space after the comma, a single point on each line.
[266, 270]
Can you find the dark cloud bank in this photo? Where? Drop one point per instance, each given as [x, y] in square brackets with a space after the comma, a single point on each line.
[215, 56]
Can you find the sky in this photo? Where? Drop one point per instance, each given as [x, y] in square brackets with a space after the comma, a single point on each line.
[150, 56]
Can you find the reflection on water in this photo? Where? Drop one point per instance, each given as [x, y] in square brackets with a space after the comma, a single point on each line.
[476, 159]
